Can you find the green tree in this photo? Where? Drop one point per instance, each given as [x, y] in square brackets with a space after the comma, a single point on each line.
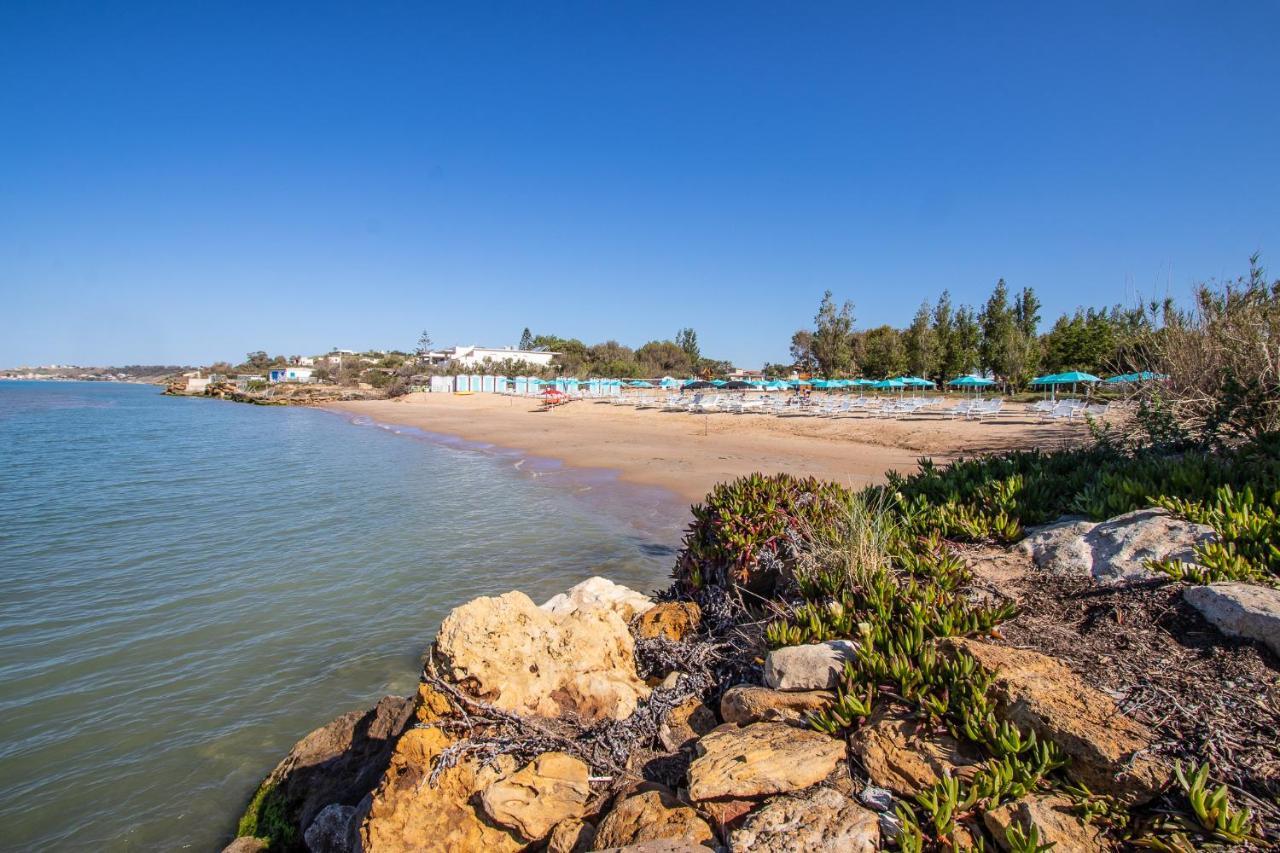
[663, 358]
[526, 339]
[967, 341]
[831, 337]
[882, 352]
[802, 358]
[997, 322]
[687, 340]
[1026, 313]
[944, 338]
[919, 343]
[425, 343]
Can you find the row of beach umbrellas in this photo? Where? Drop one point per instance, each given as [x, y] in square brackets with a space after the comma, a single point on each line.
[970, 381]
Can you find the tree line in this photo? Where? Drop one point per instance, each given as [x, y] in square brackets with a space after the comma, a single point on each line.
[680, 356]
[1002, 339]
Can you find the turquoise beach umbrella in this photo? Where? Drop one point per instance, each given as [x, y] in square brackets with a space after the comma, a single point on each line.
[1142, 376]
[972, 381]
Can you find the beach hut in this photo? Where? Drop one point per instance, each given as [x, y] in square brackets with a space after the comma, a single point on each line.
[487, 384]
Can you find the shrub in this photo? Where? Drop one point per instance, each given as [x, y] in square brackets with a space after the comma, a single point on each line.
[270, 817]
[745, 535]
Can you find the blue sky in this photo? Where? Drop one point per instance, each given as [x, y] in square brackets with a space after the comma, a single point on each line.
[186, 182]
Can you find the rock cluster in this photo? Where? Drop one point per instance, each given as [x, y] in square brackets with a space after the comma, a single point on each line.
[742, 768]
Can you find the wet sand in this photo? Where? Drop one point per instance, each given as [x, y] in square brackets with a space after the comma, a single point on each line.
[688, 454]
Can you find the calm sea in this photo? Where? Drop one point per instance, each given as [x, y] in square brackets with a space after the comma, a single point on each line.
[188, 586]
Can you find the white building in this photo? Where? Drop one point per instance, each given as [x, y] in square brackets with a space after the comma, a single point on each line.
[474, 356]
[290, 374]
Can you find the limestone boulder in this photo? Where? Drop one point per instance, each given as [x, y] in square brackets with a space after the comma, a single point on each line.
[331, 831]
[1240, 610]
[599, 593]
[761, 759]
[339, 762]
[528, 660]
[749, 703]
[819, 821]
[685, 723]
[1116, 550]
[1110, 752]
[670, 620]
[406, 812]
[1059, 824]
[1059, 548]
[901, 755]
[652, 816]
[550, 789]
[571, 836]
[817, 666]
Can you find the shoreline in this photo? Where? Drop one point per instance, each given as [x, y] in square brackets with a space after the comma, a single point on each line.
[688, 454]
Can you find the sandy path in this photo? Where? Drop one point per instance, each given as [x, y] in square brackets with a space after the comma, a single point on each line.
[688, 454]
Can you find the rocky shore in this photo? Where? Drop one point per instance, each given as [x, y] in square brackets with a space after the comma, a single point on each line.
[606, 720]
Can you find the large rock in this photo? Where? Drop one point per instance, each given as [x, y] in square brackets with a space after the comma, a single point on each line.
[340, 762]
[761, 759]
[671, 620]
[599, 593]
[524, 659]
[821, 821]
[1116, 550]
[685, 723]
[331, 831]
[1240, 610]
[900, 755]
[648, 816]
[1109, 752]
[551, 788]
[406, 812]
[817, 666]
[571, 836]
[1057, 820]
[748, 703]
[1060, 548]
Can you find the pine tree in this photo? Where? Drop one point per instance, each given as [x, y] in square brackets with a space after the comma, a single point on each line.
[944, 339]
[968, 340]
[526, 339]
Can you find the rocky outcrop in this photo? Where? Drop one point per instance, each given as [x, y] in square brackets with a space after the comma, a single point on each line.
[599, 593]
[571, 836]
[1240, 610]
[820, 821]
[749, 703]
[652, 815]
[550, 789]
[761, 759]
[1110, 752]
[671, 620]
[817, 666]
[337, 763]
[685, 723]
[331, 831]
[1056, 819]
[903, 756]
[521, 658]
[407, 813]
[1116, 550]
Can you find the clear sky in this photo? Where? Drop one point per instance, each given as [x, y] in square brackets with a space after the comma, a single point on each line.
[183, 182]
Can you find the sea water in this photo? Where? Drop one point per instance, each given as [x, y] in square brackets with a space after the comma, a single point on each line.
[188, 586]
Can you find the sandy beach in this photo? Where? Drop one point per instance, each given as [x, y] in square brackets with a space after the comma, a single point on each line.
[688, 454]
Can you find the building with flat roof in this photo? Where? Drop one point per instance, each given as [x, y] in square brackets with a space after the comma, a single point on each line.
[474, 356]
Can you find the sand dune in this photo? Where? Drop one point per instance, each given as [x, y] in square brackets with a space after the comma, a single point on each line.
[690, 453]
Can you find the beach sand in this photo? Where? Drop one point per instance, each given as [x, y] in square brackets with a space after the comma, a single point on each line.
[688, 454]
